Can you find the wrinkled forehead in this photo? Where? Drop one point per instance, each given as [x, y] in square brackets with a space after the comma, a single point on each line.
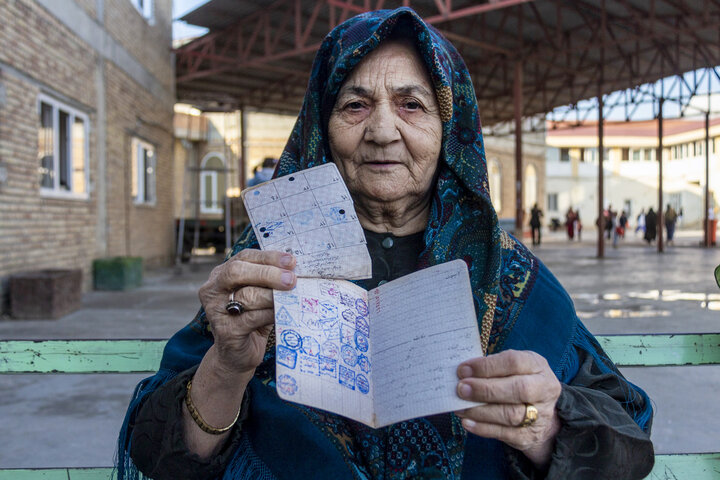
[351, 42]
[393, 64]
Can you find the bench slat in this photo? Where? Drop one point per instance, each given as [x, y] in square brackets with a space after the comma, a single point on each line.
[691, 466]
[57, 473]
[137, 356]
[80, 356]
[655, 350]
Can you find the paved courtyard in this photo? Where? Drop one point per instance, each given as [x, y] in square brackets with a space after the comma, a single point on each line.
[73, 419]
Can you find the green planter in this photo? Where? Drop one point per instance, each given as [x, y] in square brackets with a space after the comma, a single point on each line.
[117, 273]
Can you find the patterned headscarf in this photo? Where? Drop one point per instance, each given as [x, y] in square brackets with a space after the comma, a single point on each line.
[462, 222]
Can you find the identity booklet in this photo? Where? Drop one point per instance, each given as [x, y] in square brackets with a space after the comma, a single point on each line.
[380, 356]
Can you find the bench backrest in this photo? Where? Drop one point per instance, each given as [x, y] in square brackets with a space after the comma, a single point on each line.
[138, 356]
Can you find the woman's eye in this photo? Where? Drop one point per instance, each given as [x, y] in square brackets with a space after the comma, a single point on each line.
[354, 106]
[412, 105]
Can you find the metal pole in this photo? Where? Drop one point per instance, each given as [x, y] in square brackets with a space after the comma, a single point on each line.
[517, 98]
[706, 222]
[660, 222]
[601, 174]
[243, 146]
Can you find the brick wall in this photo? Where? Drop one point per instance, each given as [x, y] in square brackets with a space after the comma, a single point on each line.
[42, 55]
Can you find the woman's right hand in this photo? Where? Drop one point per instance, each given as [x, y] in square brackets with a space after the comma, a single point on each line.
[240, 340]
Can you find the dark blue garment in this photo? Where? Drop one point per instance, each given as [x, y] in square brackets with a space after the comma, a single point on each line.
[519, 304]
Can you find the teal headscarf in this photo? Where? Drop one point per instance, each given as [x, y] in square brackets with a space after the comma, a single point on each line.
[519, 303]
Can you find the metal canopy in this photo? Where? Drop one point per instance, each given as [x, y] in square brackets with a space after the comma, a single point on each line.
[259, 55]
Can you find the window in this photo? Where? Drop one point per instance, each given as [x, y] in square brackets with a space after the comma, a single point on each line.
[62, 149]
[564, 154]
[143, 172]
[625, 155]
[212, 184]
[636, 154]
[531, 186]
[552, 202]
[495, 178]
[699, 148]
[145, 8]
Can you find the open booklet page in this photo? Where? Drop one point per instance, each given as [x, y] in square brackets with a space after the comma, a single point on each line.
[377, 357]
[323, 347]
[311, 215]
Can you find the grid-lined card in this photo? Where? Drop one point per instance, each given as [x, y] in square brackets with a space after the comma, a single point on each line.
[311, 215]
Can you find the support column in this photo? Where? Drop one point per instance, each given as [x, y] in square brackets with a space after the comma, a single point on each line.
[518, 102]
[601, 173]
[660, 221]
[706, 217]
[243, 146]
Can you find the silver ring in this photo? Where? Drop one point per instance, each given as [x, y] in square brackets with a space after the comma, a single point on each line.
[234, 307]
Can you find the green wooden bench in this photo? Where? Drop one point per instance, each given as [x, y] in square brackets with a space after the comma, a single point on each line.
[141, 356]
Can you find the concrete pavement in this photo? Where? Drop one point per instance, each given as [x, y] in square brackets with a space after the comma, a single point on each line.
[72, 420]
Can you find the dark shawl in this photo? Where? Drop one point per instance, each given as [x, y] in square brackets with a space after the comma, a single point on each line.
[519, 304]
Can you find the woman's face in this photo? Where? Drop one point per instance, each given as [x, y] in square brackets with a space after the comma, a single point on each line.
[385, 131]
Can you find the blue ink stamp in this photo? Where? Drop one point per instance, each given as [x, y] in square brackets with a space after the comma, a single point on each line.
[309, 365]
[283, 317]
[287, 298]
[328, 310]
[310, 346]
[349, 356]
[347, 377]
[346, 299]
[362, 383]
[330, 350]
[291, 339]
[361, 307]
[362, 326]
[327, 366]
[347, 335]
[364, 363]
[349, 315]
[286, 356]
[287, 384]
[337, 214]
[361, 342]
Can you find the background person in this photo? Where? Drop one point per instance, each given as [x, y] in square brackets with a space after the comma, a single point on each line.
[535, 223]
[391, 102]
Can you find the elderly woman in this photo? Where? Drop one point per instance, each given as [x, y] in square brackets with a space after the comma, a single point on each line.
[391, 102]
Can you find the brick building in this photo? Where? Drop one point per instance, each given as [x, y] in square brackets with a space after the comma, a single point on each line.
[86, 135]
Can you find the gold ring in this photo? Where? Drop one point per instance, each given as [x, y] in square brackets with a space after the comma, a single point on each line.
[531, 415]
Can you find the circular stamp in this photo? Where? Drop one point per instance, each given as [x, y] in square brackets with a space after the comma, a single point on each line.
[348, 315]
[330, 350]
[361, 307]
[364, 363]
[362, 325]
[287, 384]
[349, 356]
[292, 339]
[362, 383]
[310, 346]
[361, 342]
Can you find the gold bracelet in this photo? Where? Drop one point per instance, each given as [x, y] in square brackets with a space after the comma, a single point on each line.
[199, 420]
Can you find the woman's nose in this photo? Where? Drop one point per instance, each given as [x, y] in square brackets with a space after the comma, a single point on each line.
[381, 125]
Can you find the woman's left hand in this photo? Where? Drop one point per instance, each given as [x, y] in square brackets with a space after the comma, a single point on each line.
[506, 383]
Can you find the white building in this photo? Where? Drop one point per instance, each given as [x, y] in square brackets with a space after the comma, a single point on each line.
[631, 169]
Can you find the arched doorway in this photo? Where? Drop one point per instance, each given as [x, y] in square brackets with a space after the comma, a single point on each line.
[495, 179]
[213, 183]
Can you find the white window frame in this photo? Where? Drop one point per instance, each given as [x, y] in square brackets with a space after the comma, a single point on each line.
[213, 174]
[146, 10]
[140, 198]
[56, 190]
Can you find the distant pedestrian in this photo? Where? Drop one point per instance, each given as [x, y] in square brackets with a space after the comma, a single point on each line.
[570, 223]
[640, 222]
[650, 225]
[670, 218]
[535, 222]
[264, 173]
[578, 225]
[623, 224]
